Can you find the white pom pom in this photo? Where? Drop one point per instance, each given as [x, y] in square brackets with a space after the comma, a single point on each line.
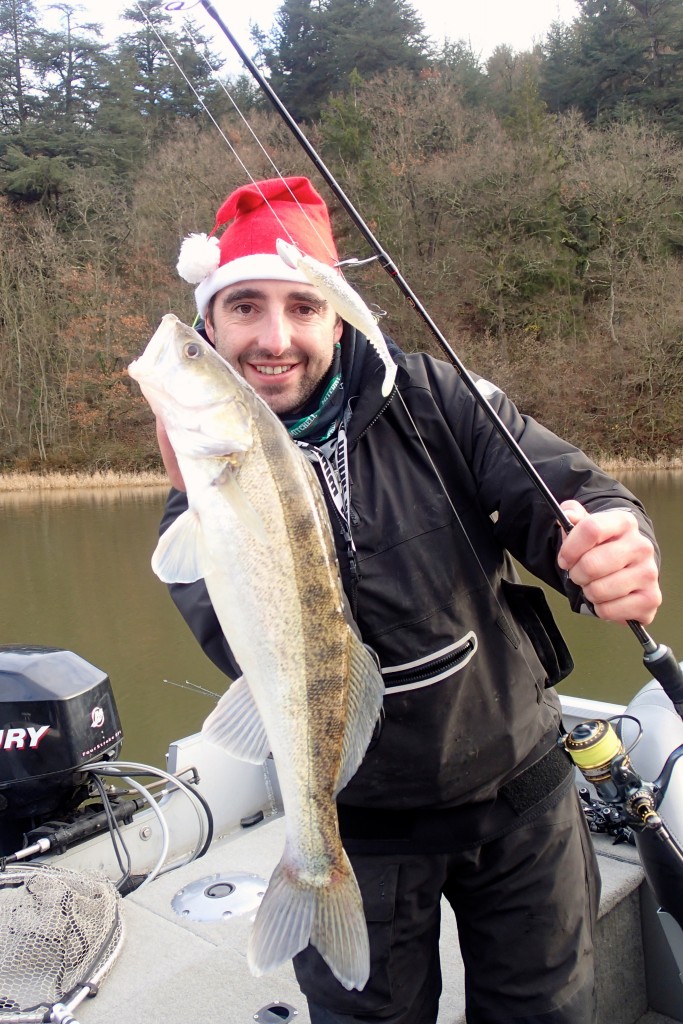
[199, 257]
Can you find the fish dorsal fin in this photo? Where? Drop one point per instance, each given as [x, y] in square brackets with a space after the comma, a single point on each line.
[236, 725]
[366, 692]
[179, 555]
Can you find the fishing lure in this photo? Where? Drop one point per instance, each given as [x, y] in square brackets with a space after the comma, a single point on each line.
[345, 301]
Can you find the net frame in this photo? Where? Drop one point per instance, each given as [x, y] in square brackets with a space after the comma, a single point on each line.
[62, 931]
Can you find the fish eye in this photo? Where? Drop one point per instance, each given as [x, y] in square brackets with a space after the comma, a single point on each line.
[193, 350]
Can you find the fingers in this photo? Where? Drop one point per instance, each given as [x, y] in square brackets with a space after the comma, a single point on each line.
[613, 564]
[169, 458]
[628, 594]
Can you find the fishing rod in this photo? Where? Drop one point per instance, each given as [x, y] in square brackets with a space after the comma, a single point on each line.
[657, 658]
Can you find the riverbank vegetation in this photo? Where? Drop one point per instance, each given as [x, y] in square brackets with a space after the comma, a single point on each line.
[17, 482]
[534, 204]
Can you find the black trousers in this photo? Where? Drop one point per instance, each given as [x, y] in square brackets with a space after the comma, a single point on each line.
[525, 906]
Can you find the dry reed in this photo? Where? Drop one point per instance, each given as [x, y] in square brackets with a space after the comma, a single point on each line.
[75, 481]
[109, 478]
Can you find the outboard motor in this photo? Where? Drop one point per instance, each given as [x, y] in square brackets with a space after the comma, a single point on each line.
[57, 716]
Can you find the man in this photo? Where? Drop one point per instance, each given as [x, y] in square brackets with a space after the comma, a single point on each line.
[464, 791]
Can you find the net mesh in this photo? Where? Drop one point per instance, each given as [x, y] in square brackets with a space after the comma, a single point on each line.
[60, 930]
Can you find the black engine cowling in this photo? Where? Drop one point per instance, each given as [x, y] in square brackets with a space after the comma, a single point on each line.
[57, 715]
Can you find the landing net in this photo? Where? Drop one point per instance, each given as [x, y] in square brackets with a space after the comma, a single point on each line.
[61, 932]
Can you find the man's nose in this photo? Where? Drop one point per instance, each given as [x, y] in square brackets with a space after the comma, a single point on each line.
[276, 338]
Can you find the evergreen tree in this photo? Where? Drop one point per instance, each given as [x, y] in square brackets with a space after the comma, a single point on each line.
[296, 58]
[619, 57]
[71, 68]
[170, 66]
[560, 72]
[18, 59]
[316, 45]
[463, 63]
[67, 69]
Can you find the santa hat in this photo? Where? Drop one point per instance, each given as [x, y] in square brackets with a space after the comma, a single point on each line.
[262, 212]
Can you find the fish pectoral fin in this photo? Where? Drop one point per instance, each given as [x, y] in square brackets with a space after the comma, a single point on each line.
[329, 916]
[236, 725]
[241, 506]
[366, 693]
[179, 554]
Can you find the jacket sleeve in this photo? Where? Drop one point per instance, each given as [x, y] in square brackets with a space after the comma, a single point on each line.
[524, 523]
[194, 604]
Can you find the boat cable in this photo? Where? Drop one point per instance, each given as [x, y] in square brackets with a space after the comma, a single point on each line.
[126, 770]
[114, 832]
[112, 813]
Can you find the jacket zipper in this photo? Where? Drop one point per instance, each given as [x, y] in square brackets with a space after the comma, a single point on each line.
[425, 671]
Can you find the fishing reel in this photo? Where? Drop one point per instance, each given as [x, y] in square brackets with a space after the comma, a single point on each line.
[598, 752]
[628, 806]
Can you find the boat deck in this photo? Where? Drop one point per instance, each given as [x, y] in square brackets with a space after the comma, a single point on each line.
[178, 971]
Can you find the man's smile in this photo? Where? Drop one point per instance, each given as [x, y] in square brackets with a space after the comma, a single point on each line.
[270, 370]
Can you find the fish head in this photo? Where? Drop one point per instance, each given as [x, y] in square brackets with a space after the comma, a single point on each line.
[204, 405]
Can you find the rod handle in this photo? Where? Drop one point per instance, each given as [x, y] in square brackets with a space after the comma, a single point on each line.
[667, 671]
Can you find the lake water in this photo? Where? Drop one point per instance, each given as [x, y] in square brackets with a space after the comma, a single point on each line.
[76, 575]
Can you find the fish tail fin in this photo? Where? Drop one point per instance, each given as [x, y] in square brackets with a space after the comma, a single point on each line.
[340, 931]
[330, 917]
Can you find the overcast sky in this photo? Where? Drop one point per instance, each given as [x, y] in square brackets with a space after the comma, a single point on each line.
[483, 23]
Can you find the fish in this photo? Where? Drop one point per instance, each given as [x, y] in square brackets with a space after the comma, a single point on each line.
[345, 301]
[257, 531]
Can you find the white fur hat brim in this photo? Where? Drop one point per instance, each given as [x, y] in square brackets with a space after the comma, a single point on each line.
[259, 267]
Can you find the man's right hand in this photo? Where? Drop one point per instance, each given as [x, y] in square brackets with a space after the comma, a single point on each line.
[169, 457]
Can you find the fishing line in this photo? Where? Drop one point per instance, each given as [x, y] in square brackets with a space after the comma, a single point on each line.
[199, 99]
[179, 7]
[264, 151]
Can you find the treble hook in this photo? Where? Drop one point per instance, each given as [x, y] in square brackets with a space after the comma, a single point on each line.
[353, 261]
[180, 5]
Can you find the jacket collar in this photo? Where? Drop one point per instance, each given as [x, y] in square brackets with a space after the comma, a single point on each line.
[363, 381]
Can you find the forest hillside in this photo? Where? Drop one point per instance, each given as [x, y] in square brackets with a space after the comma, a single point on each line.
[534, 203]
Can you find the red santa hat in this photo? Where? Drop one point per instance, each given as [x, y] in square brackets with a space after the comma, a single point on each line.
[258, 214]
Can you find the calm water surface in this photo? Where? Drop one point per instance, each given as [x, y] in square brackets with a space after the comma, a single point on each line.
[76, 567]
[76, 575]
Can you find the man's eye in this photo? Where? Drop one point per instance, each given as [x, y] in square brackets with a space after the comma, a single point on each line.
[244, 308]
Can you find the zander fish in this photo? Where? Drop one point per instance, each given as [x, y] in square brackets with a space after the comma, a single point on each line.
[345, 301]
[257, 531]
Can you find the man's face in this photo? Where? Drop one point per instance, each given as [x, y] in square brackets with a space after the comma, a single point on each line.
[280, 336]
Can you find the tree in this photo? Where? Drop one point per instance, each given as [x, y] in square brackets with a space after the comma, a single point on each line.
[465, 66]
[559, 74]
[54, 135]
[316, 45]
[619, 58]
[18, 32]
[72, 64]
[170, 66]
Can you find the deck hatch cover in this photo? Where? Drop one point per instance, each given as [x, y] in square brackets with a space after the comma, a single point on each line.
[219, 897]
[275, 1013]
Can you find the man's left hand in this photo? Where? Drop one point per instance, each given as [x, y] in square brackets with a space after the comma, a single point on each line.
[614, 564]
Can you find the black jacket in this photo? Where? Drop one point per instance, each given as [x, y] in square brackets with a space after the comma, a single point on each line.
[438, 506]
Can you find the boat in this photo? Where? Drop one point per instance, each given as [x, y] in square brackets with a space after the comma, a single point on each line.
[201, 837]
